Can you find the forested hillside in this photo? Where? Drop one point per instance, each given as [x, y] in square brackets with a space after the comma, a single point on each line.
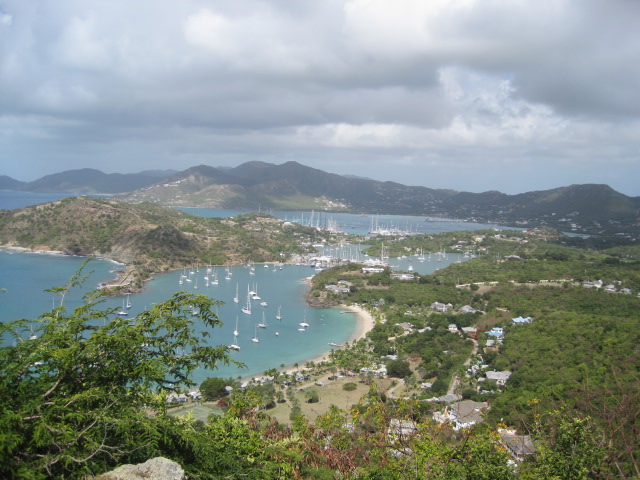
[150, 237]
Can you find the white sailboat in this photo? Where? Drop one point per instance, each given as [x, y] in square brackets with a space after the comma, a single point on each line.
[123, 311]
[128, 300]
[279, 315]
[264, 322]
[304, 323]
[247, 308]
[255, 336]
[254, 295]
[234, 345]
[236, 299]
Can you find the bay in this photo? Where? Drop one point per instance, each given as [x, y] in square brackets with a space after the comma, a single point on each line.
[25, 276]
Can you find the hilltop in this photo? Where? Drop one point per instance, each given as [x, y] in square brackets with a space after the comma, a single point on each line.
[149, 237]
[594, 209]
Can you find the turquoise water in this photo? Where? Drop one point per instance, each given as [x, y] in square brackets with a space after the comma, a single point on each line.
[358, 224]
[25, 276]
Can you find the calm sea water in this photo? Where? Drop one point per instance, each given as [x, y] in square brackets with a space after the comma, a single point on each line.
[25, 276]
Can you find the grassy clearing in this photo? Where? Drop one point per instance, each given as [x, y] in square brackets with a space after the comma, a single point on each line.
[331, 393]
[200, 411]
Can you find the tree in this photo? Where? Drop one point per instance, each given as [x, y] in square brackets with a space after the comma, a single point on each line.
[214, 387]
[312, 395]
[74, 394]
[399, 369]
[571, 452]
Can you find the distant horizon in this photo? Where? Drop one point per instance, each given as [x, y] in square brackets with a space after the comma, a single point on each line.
[344, 175]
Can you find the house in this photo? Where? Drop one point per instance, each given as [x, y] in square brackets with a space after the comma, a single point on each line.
[195, 395]
[521, 320]
[372, 270]
[519, 446]
[453, 328]
[441, 307]
[337, 289]
[590, 284]
[497, 332]
[448, 398]
[378, 371]
[625, 291]
[470, 331]
[176, 398]
[401, 429]
[468, 309]
[406, 277]
[462, 414]
[500, 377]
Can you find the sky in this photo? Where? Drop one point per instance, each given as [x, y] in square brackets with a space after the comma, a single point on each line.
[471, 95]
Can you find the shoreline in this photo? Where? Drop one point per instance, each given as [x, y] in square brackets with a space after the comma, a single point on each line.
[364, 324]
[364, 320]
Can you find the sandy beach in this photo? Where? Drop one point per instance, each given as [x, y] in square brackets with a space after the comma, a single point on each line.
[364, 325]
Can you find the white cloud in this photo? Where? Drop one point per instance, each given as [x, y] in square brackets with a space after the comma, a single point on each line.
[419, 85]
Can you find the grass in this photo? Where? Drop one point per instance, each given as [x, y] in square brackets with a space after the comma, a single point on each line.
[330, 394]
[200, 411]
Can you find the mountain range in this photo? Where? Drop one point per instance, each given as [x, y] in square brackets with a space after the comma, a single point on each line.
[592, 208]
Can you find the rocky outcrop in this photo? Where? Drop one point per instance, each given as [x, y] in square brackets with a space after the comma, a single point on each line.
[158, 468]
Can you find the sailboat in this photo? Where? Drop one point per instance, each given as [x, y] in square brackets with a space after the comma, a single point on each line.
[279, 315]
[247, 308]
[255, 336]
[128, 300]
[234, 345]
[304, 323]
[264, 322]
[123, 312]
[254, 295]
[236, 299]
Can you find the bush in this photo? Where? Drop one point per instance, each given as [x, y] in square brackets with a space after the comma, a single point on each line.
[349, 387]
[399, 369]
[312, 396]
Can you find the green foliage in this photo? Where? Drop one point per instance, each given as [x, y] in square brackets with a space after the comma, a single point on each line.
[571, 451]
[311, 394]
[75, 395]
[399, 369]
[349, 386]
[214, 388]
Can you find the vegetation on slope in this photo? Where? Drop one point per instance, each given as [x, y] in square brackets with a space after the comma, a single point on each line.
[151, 237]
[80, 395]
[578, 355]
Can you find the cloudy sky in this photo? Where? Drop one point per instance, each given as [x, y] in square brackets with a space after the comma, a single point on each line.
[471, 95]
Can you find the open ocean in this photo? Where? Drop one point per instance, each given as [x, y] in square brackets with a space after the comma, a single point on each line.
[26, 276]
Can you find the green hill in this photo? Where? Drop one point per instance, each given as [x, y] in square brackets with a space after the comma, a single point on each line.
[151, 237]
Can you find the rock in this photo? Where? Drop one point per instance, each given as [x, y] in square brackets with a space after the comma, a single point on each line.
[158, 468]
